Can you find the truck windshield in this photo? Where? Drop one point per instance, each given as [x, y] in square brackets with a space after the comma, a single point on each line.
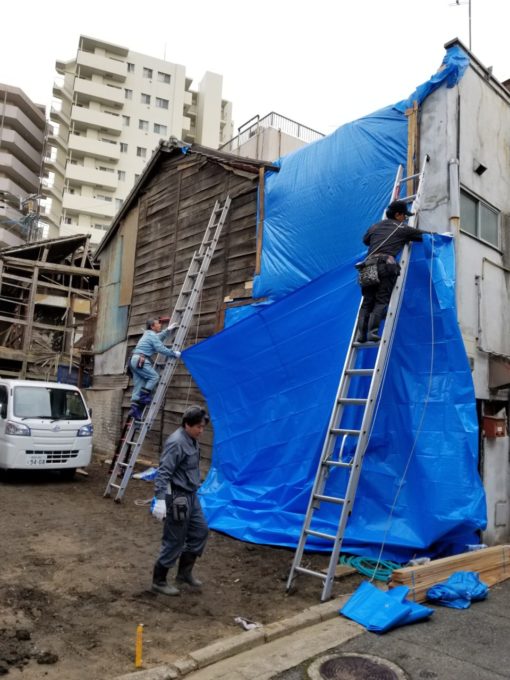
[49, 402]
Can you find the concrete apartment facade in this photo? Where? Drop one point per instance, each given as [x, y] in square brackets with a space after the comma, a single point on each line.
[22, 130]
[113, 106]
[270, 137]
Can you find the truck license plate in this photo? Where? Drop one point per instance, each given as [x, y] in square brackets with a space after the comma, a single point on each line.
[37, 459]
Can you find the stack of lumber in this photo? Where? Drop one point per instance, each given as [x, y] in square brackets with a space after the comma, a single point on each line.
[492, 564]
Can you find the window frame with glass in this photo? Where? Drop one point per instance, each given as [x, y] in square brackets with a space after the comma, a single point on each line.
[479, 219]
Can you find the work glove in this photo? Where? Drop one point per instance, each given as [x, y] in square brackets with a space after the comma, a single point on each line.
[177, 354]
[173, 326]
[159, 510]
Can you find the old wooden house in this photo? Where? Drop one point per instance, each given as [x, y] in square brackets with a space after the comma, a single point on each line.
[144, 258]
[47, 296]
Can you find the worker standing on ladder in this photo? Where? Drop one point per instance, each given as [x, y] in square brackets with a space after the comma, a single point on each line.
[185, 530]
[385, 240]
[145, 377]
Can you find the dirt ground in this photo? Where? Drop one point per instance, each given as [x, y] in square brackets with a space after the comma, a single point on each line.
[75, 582]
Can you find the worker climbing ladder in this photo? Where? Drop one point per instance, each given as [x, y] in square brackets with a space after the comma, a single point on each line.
[336, 446]
[134, 431]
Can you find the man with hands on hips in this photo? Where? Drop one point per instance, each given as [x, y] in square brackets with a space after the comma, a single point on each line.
[185, 528]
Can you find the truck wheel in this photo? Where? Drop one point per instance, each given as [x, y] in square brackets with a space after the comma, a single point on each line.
[68, 473]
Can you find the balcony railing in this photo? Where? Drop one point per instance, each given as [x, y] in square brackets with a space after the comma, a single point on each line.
[272, 120]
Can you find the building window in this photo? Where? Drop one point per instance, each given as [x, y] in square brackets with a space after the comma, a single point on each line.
[137, 177]
[130, 67]
[141, 151]
[128, 94]
[118, 203]
[479, 219]
[103, 227]
[68, 220]
[145, 98]
[161, 103]
[121, 174]
[103, 168]
[147, 72]
[123, 147]
[163, 77]
[101, 197]
[160, 129]
[125, 121]
[143, 125]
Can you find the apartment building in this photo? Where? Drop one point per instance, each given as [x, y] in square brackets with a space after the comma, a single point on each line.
[270, 137]
[112, 108]
[22, 126]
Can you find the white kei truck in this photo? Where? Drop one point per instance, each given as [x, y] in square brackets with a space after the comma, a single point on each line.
[43, 426]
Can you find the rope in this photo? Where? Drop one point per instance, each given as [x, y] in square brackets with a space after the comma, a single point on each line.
[422, 417]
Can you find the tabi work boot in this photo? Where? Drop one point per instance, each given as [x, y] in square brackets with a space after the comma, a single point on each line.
[159, 584]
[373, 328]
[135, 411]
[361, 335]
[186, 564]
[145, 397]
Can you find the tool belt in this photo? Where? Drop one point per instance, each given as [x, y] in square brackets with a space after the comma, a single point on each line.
[368, 270]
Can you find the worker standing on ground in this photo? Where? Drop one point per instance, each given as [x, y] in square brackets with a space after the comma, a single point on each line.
[385, 240]
[185, 530]
[145, 377]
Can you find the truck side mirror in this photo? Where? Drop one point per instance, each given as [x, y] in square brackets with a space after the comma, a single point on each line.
[3, 410]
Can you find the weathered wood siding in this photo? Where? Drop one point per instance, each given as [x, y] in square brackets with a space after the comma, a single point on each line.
[173, 213]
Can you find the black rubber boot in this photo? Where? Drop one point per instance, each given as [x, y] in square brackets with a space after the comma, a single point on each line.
[186, 564]
[373, 328]
[159, 584]
[361, 335]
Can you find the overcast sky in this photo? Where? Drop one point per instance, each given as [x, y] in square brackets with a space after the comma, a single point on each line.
[322, 63]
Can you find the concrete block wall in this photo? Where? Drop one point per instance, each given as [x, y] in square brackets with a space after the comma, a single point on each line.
[106, 408]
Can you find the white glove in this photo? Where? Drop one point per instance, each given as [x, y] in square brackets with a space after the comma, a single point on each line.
[159, 510]
[173, 326]
[177, 354]
[447, 233]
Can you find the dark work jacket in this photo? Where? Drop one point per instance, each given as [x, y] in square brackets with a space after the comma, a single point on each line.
[179, 465]
[400, 235]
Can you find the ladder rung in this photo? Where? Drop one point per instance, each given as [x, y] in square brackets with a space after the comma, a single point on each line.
[115, 486]
[406, 179]
[310, 572]
[329, 499]
[348, 401]
[337, 463]
[408, 199]
[321, 534]
[359, 371]
[365, 345]
[123, 464]
[344, 430]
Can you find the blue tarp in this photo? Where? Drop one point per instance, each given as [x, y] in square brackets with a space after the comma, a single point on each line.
[270, 382]
[270, 378]
[327, 194]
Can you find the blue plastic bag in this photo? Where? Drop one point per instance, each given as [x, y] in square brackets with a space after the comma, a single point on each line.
[380, 611]
[459, 590]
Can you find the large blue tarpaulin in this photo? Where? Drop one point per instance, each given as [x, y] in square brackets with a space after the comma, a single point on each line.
[270, 382]
[270, 379]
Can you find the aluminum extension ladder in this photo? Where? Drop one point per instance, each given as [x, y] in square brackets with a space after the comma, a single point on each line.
[134, 431]
[338, 431]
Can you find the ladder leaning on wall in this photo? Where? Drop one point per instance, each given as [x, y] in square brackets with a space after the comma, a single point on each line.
[338, 432]
[134, 431]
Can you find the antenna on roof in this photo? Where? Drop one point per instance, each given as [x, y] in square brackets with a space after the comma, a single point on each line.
[468, 3]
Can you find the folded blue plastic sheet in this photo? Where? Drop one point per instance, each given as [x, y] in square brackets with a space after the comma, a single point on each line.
[327, 194]
[459, 590]
[379, 611]
[270, 382]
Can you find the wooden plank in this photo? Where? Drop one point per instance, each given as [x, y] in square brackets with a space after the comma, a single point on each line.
[260, 224]
[50, 266]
